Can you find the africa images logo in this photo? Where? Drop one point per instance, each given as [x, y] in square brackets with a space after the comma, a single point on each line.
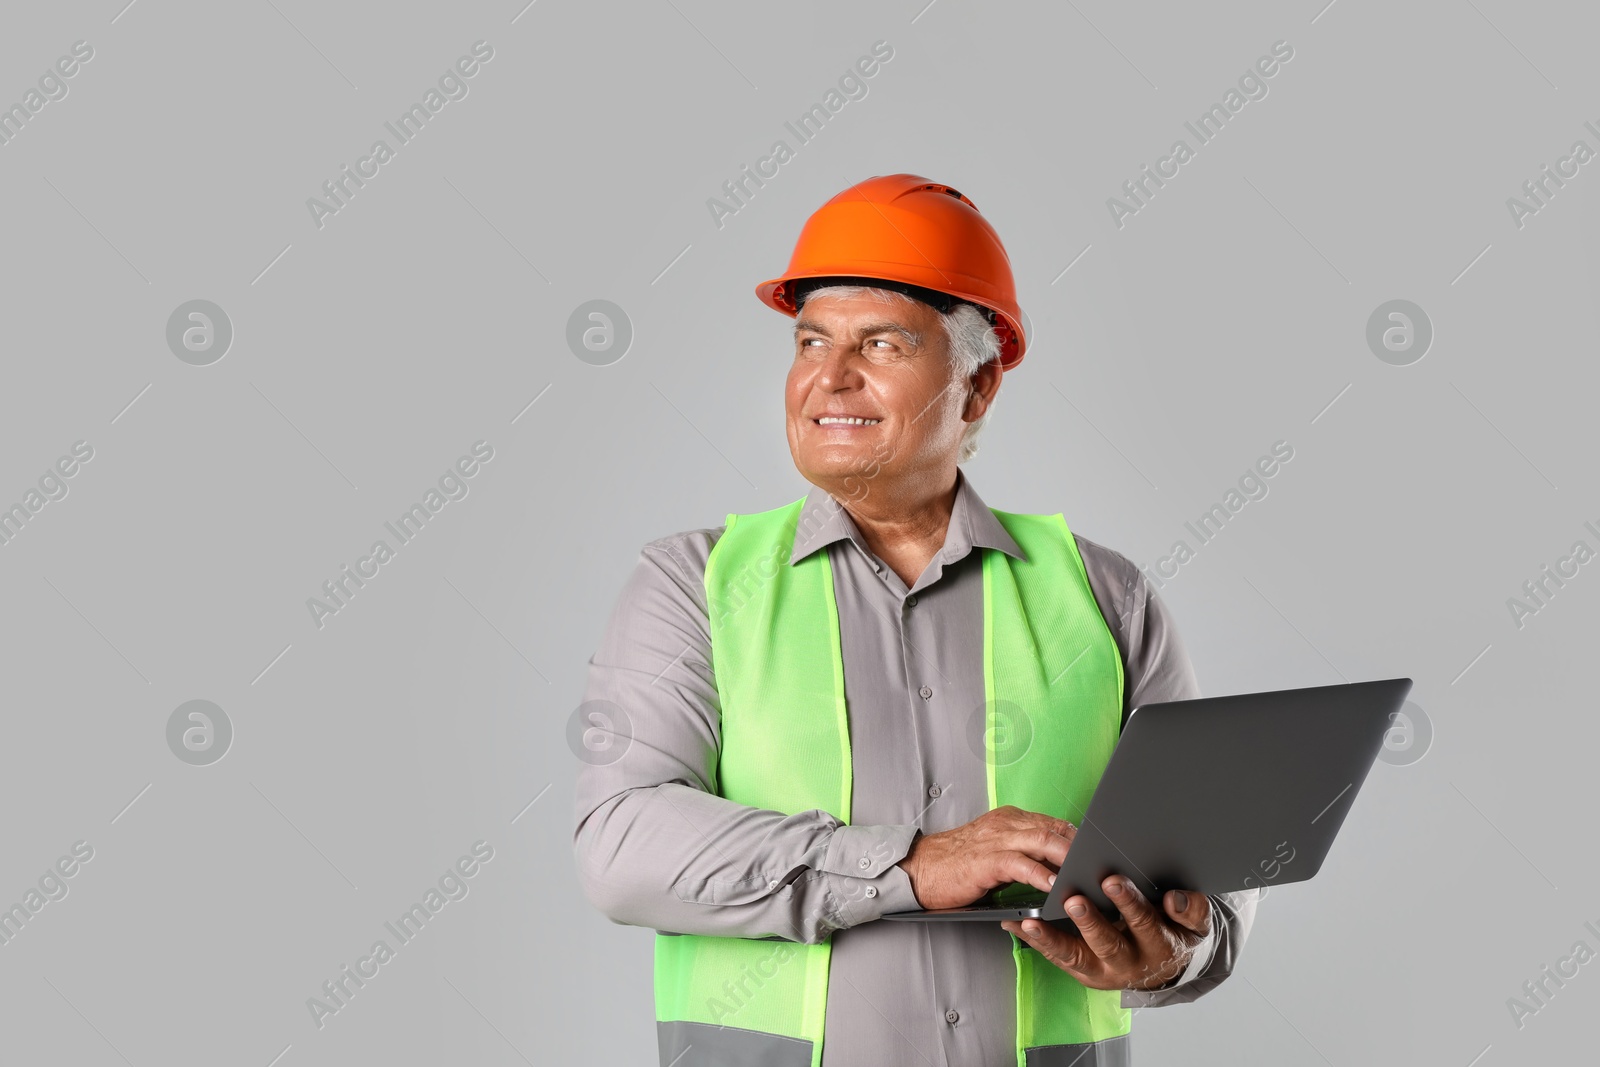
[852, 85]
[453, 885]
[1211, 122]
[453, 85]
[453, 485]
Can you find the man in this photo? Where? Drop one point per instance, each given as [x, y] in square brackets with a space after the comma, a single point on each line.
[884, 697]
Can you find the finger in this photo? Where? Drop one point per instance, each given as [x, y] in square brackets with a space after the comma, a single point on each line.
[1108, 944]
[1144, 922]
[1042, 845]
[1059, 947]
[1192, 911]
[1051, 824]
[1021, 867]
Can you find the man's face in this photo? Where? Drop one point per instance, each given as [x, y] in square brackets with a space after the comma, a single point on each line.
[862, 358]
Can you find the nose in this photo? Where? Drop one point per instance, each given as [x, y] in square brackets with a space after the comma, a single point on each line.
[839, 370]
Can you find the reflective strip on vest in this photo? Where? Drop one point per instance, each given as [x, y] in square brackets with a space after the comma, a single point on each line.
[1053, 709]
[703, 1045]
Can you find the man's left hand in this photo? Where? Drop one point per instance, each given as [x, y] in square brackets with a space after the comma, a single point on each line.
[1145, 950]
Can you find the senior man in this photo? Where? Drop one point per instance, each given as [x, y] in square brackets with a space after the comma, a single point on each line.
[883, 697]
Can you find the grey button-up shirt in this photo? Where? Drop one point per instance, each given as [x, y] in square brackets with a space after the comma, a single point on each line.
[656, 847]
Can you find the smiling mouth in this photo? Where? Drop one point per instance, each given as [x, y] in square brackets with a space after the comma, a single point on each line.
[837, 420]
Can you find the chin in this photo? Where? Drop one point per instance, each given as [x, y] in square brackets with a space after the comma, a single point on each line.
[821, 466]
[836, 459]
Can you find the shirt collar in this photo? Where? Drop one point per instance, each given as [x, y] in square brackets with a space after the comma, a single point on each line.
[823, 520]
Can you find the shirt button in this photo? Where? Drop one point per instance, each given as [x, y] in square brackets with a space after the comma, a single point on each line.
[772, 884]
[864, 863]
[927, 692]
[952, 1016]
[934, 791]
[872, 891]
[911, 601]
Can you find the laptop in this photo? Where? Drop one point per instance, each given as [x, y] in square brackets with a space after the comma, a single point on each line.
[1215, 795]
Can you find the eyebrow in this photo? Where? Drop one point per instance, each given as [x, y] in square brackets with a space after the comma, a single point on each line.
[870, 329]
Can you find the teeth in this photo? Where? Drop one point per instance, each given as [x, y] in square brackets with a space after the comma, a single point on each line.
[829, 420]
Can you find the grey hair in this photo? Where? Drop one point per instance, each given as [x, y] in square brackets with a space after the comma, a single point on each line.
[968, 334]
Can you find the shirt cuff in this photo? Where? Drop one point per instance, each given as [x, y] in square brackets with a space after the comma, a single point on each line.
[894, 892]
[866, 851]
[861, 878]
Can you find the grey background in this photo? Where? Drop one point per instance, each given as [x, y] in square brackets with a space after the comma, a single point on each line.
[369, 354]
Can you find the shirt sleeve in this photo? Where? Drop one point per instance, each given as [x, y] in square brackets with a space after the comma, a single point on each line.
[1156, 668]
[655, 846]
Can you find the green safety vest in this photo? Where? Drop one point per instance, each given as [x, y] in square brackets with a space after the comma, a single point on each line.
[1053, 682]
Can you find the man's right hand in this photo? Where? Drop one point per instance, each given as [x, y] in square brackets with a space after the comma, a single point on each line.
[954, 868]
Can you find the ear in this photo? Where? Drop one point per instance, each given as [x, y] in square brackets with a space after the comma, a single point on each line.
[985, 384]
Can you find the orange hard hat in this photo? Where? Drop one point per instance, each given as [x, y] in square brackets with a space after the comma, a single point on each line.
[924, 238]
